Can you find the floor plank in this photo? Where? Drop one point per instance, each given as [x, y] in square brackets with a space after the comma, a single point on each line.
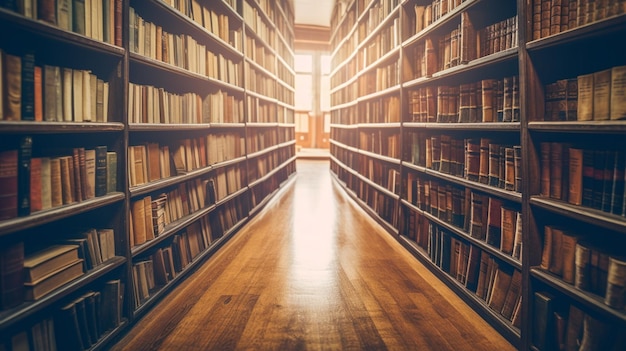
[312, 272]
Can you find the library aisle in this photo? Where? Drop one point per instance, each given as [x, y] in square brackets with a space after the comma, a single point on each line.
[312, 271]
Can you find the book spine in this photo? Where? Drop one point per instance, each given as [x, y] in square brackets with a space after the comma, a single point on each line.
[28, 87]
[23, 173]
[101, 171]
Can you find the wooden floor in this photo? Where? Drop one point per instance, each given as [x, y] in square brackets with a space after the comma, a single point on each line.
[312, 272]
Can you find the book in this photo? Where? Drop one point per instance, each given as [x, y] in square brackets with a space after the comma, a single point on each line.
[601, 95]
[546, 254]
[37, 289]
[100, 186]
[545, 160]
[500, 287]
[68, 79]
[49, 260]
[67, 330]
[28, 87]
[56, 183]
[543, 327]
[568, 252]
[90, 174]
[508, 219]
[35, 184]
[616, 284]
[111, 171]
[13, 87]
[8, 184]
[556, 261]
[513, 294]
[585, 97]
[574, 328]
[575, 195]
[11, 276]
[618, 93]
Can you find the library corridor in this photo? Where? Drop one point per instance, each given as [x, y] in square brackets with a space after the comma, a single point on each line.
[312, 271]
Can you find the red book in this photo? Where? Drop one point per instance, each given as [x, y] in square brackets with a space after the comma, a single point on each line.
[35, 184]
[8, 184]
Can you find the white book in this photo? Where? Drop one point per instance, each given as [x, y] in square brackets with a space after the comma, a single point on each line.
[67, 95]
[86, 96]
[77, 96]
[105, 107]
[46, 184]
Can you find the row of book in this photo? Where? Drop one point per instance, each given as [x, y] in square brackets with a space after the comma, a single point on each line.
[346, 94]
[149, 104]
[380, 142]
[31, 92]
[256, 22]
[596, 96]
[476, 159]
[551, 17]
[260, 111]
[151, 214]
[262, 139]
[260, 83]
[385, 41]
[285, 93]
[98, 19]
[376, 14]
[382, 173]
[481, 216]
[489, 100]
[558, 325]
[214, 22]
[30, 184]
[496, 283]
[347, 115]
[226, 181]
[594, 269]
[77, 325]
[259, 53]
[385, 206]
[426, 14]
[383, 110]
[28, 276]
[587, 177]
[348, 137]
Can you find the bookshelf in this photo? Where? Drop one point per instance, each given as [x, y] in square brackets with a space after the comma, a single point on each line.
[487, 134]
[196, 131]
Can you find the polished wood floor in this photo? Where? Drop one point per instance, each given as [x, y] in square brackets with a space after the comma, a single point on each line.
[312, 272]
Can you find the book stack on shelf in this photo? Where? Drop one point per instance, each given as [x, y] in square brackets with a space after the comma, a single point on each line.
[136, 139]
[511, 170]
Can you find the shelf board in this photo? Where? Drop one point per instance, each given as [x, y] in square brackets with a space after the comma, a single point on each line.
[588, 299]
[28, 308]
[260, 96]
[163, 183]
[380, 125]
[32, 127]
[227, 125]
[579, 127]
[227, 162]
[588, 31]
[262, 152]
[258, 68]
[262, 124]
[586, 214]
[344, 146]
[271, 173]
[381, 189]
[384, 158]
[501, 56]
[387, 91]
[164, 127]
[58, 213]
[486, 126]
[344, 126]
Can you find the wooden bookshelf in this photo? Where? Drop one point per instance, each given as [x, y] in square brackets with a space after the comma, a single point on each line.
[181, 125]
[443, 112]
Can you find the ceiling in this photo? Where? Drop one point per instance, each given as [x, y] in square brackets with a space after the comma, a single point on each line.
[313, 12]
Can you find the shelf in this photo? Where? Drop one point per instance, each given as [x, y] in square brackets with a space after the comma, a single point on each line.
[58, 213]
[380, 157]
[346, 105]
[579, 127]
[262, 152]
[227, 125]
[585, 214]
[32, 127]
[386, 21]
[487, 126]
[378, 94]
[270, 173]
[260, 96]
[492, 250]
[344, 126]
[344, 146]
[258, 68]
[167, 182]
[593, 30]
[588, 299]
[227, 163]
[503, 326]
[29, 308]
[392, 125]
[262, 124]
[381, 189]
[52, 34]
[499, 192]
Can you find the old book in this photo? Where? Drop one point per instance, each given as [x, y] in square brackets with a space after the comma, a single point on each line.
[90, 174]
[67, 329]
[13, 87]
[546, 256]
[35, 184]
[483, 168]
[575, 196]
[556, 261]
[472, 162]
[488, 99]
[11, 276]
[600, 158]
[154, 164]
[77, 96]
[607, 183]
[556, 170]
[585, 97]
[574, 328]
[588, 177]
[596, 335]
[24, 156]
[543, 331]
[568, 253]
[501, 283]
[473, 268]
[618, 187]
[81, 314]
[509, 167]
[88, 114]
[56, 182]
[68, 79]
[148, 218]
[139, 222]
[618, 93]
[67, 179]
[64, 14]
[100, 177]
[38, 92]
[545, 163]
[493, 234]
[572, 99]
[48, 260]
[28, 87]
[508, 218]
[46, 183]
[616, 284]
[78, 183]
[517, 166]
[513, 295]
[478, 205]
[601, 95]
[99, 100]
[39, 288]
[582, 266]
[111, 171]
